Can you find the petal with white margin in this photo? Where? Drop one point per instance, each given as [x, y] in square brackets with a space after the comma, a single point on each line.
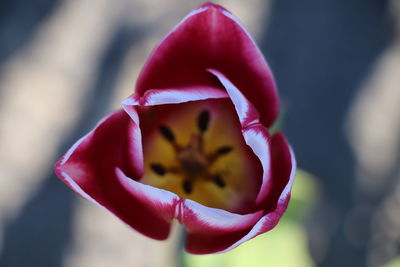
[161, 201]
[89, 169]
[200, 219]
[257, 138]
[247, 113]
[211, 37]
[174, 96]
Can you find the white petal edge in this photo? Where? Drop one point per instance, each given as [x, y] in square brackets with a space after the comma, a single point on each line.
[67, 155]
[216, 219]
[238, 22]
[145, 192]
[174, 96]
[71, 183]
[136, 148]
[191, 14]
[243, 107]
[258, 142]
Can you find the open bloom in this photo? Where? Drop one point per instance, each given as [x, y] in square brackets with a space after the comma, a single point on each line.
[192, 142]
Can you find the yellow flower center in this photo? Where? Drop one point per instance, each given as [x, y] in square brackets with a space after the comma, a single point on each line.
[201, 155]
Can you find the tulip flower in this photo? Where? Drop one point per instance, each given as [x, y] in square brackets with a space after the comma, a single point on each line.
[192, 143]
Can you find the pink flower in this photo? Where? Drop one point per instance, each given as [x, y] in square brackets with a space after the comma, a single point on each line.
[192, 143]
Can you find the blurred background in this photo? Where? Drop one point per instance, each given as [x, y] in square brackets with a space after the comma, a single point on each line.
[65, 63]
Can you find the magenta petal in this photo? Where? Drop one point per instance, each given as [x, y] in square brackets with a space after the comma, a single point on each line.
[199, 219]
[89, 168]
[212, 38]
[284, 164]
[157, 200]
[257, 138]
[206, 244]
[283, 167]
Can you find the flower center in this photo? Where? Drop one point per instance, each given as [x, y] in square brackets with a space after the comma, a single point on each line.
[197, 151]
[191, 161]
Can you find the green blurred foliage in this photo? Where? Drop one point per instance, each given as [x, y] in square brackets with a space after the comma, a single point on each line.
[284, 246]
[395, 262]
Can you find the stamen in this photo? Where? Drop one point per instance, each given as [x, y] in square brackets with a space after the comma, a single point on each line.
[167, 133]
[158, 168]
[187, 186]
[224, 150]
[193, 163]
[203, 120]
[219, 152]
[219, 181]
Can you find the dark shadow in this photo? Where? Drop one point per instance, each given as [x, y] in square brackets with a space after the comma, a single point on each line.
[320, 53]
[19, 20]
[40, 235]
